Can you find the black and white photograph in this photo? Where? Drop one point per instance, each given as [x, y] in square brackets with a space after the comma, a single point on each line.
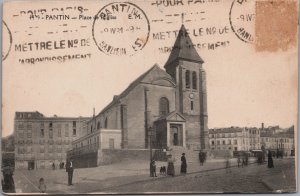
[149, 96]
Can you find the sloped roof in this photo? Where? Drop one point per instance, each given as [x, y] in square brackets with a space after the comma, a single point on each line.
[172, 116]
[226, 130]
[146, 77]
[184, 48]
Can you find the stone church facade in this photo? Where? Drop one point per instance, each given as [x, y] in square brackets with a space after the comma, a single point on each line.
[170, 105]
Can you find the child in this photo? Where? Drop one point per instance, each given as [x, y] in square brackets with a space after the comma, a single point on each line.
[42, 185]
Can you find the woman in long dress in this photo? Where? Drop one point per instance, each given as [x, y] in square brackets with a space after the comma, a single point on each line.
[183, 164]
[170, 169]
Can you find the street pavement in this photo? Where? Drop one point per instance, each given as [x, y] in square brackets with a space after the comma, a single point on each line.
[133, 177]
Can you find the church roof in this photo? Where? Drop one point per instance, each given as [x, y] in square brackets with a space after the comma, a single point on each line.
[172, 116]
[184, 48]
[147, 77]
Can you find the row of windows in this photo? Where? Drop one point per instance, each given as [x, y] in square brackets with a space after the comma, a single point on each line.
[225, 148]
[275, 140]
[22, 126]
[223, 142]
[223, 135]
[42, 133]
[29, 126]
[253, 131]
[28, 134]
[99, 125]
[29, 150]
[188, 79]
[42, 142]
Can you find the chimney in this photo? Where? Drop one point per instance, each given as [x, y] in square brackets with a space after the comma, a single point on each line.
[93, 112]
[262, 126]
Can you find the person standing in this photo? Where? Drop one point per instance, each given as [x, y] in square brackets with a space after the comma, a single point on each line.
[183, 164]
[270, 160]
[153, 169]
[70, 170]
[227, 165]
[170, 169]
[201, 157]
[9, 184]
[42, 186]
[238, 160]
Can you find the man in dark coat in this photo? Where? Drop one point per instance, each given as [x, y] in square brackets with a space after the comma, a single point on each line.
[183, 164]
[70, 169]
[201, 157]
[270, 160]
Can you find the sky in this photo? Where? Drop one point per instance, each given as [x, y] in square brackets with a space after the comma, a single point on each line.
[245, 87]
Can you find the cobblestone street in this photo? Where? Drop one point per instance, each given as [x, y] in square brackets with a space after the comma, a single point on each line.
[131, 178]
[251, 179]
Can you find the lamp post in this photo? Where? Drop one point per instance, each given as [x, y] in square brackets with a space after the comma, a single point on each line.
[150, 134]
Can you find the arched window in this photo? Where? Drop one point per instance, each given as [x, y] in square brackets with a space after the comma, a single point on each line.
[163, 106]
[105, 123]
[98, 125]
[194, 80]
[187, 79]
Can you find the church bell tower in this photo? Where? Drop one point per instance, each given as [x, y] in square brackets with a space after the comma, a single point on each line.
[185, 66]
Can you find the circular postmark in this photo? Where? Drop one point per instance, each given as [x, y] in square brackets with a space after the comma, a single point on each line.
[7, 40]
[242, 19]
[121, 28]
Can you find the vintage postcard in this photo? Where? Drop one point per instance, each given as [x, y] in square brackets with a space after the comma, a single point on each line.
[149, 96]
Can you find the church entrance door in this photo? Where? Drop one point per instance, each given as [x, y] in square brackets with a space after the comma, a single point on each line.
[176, 135]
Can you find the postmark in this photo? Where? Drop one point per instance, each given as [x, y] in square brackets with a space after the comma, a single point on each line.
[121, 28]
[242, 19]
[7, 41]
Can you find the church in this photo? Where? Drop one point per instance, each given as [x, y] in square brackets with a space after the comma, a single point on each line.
[161, 109]
[169, 105]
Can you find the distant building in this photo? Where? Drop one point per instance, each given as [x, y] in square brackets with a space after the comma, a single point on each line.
[252, 138]
[282, 140]
[41, 141]
[234, 139]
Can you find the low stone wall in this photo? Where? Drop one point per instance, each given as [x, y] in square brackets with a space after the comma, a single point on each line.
[109, 156]
[85, 160]
[212, 154]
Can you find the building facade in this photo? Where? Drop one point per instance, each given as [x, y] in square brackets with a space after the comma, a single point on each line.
[251, 138]
[232, 138]
[274, 139]
[41, 141]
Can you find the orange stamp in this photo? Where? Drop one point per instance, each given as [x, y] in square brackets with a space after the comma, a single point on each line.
[276, 25]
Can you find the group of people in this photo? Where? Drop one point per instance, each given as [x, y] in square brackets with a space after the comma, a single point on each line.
[170, 168]
[61, 165]
[242, 160]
